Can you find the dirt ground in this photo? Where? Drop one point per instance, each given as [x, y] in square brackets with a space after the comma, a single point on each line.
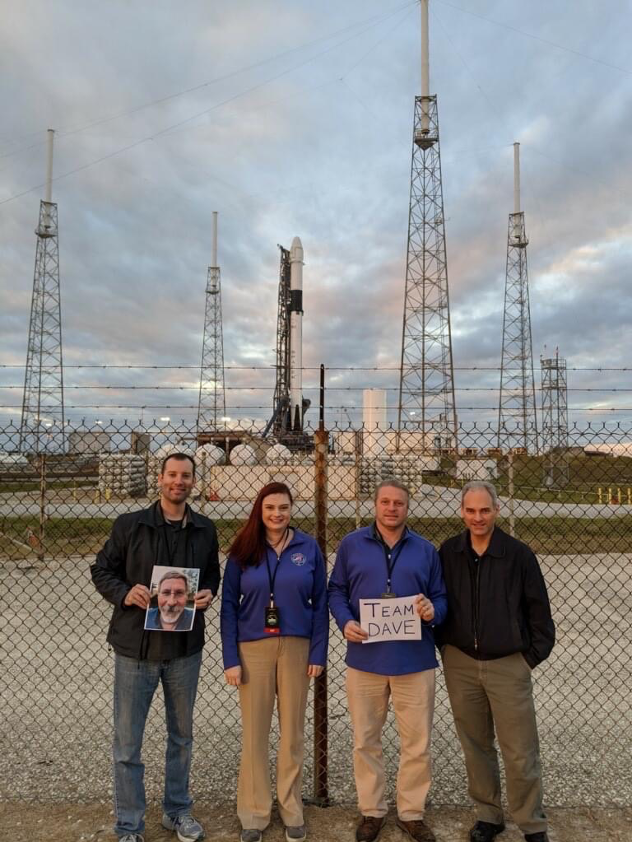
[27, 822]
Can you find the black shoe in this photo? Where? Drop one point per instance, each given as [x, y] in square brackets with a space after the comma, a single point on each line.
[369, 828]
[537, 837]
[485, 831]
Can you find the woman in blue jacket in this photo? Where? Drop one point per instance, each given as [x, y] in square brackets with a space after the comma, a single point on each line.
[274, 638]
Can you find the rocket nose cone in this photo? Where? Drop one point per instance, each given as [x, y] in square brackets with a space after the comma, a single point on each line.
[296, 251]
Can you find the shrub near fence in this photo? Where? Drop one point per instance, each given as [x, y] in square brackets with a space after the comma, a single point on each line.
[56, 510]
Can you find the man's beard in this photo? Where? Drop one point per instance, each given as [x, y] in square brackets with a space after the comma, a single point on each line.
[170, 616]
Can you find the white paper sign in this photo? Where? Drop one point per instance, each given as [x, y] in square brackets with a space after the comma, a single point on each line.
[390, 619]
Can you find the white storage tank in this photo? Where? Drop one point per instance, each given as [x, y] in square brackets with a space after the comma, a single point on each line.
[209, 454]
[243, 454]
[166, 449]
[277, 453]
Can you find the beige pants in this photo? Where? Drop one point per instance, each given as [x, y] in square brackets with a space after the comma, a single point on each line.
[413, 705]
[273, 667]
[497, 695]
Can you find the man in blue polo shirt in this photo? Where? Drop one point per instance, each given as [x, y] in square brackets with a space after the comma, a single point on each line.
[385, 560]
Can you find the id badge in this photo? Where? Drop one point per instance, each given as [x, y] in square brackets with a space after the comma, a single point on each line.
[388, 595]
[272, 621]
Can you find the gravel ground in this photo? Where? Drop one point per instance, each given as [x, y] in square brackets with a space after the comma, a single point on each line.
[91, 823]
[55, 701]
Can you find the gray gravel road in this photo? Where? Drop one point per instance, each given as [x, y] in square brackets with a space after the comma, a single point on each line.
[428, 502]
[55, 700]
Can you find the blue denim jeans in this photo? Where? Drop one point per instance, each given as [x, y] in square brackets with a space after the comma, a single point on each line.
[134, 685]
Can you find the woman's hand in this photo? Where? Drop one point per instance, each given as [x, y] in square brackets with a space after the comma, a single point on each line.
[313, 670]
[233, 676]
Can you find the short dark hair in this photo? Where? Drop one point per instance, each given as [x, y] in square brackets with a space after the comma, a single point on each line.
[177, 455]
[390, 482]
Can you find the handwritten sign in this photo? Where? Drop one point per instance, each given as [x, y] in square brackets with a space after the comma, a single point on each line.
[390, 619]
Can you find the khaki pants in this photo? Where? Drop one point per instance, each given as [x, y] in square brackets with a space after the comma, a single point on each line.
[413, 705]
[273, 667]
[497, 694]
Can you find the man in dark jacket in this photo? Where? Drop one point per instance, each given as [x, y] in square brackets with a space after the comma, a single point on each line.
[497, 630]
[170, 534]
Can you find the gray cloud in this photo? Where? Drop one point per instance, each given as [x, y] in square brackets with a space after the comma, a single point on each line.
[322, 151]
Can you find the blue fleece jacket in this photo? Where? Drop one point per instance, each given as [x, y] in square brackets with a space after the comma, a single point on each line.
[300, 594]
[360, 573]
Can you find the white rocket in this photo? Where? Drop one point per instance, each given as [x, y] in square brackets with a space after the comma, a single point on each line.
[296, 335]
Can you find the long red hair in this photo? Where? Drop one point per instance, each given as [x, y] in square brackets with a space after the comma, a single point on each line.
[249, 546]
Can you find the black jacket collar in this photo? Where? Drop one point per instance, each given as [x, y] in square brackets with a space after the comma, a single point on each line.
[153, 516]
[496, 545]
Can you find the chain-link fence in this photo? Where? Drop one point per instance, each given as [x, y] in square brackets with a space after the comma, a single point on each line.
[573, 506]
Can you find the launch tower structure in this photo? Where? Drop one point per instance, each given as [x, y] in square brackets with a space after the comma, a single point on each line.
[289, 405]
[554, 438]
[42, 424]
[426, 388]
[280, 421]
[517, 414]
[212, 399]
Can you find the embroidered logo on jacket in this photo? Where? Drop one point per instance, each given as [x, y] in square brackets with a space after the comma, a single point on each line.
[298, 559]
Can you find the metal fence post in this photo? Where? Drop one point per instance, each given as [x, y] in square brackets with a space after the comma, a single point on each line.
[510, 489]
[321, 447]
[358, 467]
[42, 508]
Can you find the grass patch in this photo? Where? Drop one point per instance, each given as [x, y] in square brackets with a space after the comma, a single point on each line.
[550, 536]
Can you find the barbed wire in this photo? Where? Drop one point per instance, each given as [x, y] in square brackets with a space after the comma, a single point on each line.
[268, 408]
[272, 367]
[174, 388]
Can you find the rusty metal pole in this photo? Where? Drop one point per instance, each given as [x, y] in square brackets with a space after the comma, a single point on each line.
[321, 447]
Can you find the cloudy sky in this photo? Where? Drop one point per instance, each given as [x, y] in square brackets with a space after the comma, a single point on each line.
[294, 117]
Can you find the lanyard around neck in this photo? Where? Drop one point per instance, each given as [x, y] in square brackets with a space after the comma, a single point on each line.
[391, 554]
[272, 576]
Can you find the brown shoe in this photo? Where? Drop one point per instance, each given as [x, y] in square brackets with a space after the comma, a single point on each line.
[417, 829]
[369, 828]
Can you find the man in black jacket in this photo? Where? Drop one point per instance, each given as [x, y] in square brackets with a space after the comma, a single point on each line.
[169, 533]
[498, 629]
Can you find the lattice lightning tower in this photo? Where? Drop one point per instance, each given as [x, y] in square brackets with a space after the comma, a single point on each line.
[426, 389]
[554, 437]
[517, 418]
[212, 400]
[42, 425]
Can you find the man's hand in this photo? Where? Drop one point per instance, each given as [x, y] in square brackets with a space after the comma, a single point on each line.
[233, 676]
[313, 670]
[203, 599]
[354, 632]
[138, 596]
[424, 608]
